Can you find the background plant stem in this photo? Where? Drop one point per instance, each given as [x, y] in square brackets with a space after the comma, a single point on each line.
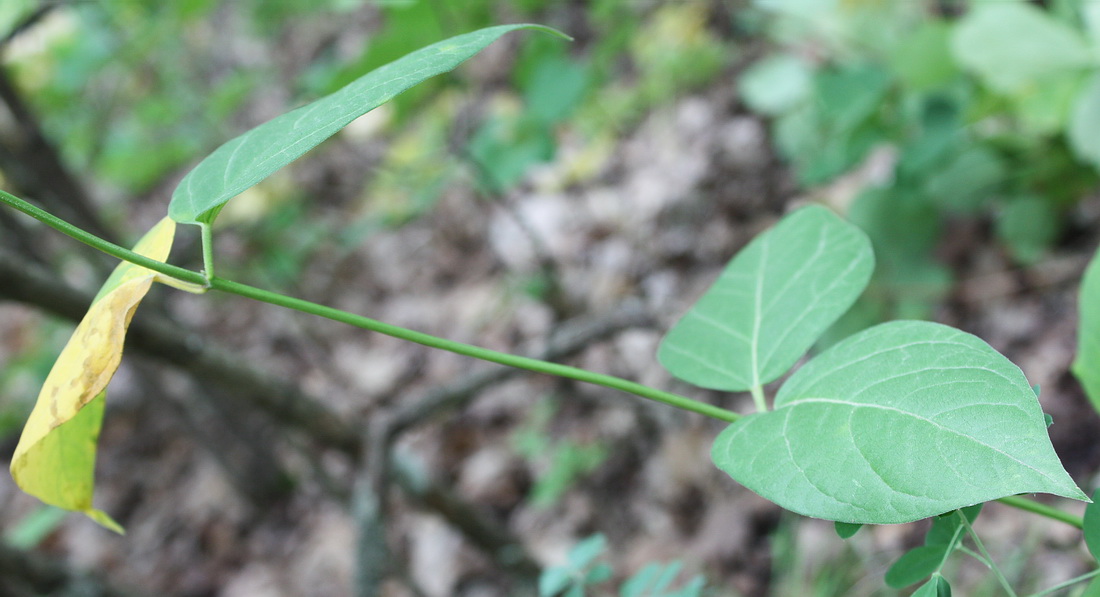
[1042, 509]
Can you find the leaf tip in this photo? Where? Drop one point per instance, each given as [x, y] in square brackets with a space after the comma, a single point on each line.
[104, 520]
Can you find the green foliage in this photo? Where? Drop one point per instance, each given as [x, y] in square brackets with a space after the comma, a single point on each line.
[1085, 121]
[1086, 366]
[777, 84]
[771, 303]
[846, 530]
[409, 26]
[109, 84]
[1011, 45]
[552, 85]
[258, 153]
[35, 527]
[937, 586]
[991, 114]
[564, 460]
[891, 425]
[1092, 526]
[654, 580]
[581, 572]
[833, 128]
[943, 537]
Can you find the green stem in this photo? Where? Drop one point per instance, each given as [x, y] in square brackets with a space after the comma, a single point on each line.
[758, 398]
[1068, 583]
[476, 352]
[536, 365]
[985, 555]
[1043, 510]
[207, 250]
[94, 241]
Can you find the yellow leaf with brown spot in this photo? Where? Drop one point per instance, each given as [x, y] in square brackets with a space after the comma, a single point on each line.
[55, 458]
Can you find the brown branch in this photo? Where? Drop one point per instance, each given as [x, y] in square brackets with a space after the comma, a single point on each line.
[159, 337]
[30, 162]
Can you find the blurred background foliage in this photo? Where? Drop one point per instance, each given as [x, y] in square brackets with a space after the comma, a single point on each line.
[906, 116]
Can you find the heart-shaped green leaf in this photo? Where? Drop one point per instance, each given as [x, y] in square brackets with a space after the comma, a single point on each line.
[772, 302]
[903, 421]
[258, 153]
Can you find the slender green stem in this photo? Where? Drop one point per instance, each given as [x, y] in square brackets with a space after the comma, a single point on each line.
[94, 241]
[954, 543]
[1068, 583]
[985, 555]
[758, 398]
[207, 250]
[476, 352]
[200, 280]
[1042, 509]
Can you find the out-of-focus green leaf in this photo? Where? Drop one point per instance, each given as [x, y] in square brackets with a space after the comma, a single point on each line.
[846, 530]
[915, 565]
[937, 586]
[1028, 226]
[923, 60]
[848, 95]
[1047, 107]
[776, 84]
[1092, 526]
[1084, 123]
[554, 88]
[35, 527]
[1014, 44]
[945, 528]
[1086, 366]
[968, 181]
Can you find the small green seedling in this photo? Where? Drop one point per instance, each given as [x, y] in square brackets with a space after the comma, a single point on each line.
[903, 421]
[582, 571]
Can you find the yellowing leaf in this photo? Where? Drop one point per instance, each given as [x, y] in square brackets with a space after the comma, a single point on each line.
[55, 458]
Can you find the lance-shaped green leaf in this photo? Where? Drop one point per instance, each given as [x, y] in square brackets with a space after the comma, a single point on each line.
[1086, 366]
[771, 303]
[258, 153]
[903, 421]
